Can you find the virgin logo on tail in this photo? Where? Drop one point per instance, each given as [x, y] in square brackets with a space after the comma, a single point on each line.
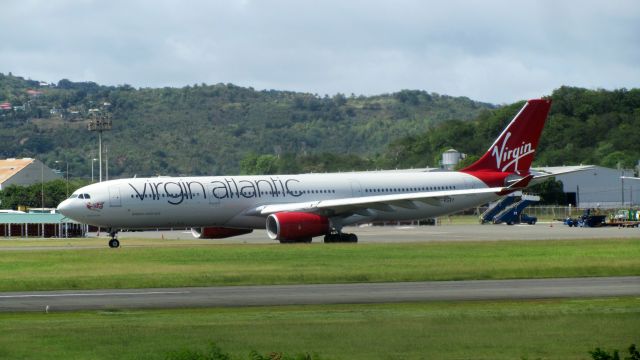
[513, 150]
[507, 157]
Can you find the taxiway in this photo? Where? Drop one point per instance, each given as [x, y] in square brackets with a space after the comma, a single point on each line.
[362, 293]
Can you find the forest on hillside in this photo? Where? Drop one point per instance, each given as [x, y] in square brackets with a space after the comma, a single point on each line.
[207, 129]
[226, 129]
[595, 127]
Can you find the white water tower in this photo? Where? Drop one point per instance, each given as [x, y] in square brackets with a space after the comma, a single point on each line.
[451, 158]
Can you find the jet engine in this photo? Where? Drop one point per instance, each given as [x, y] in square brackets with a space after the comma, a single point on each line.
[296, 226]
[217, 232]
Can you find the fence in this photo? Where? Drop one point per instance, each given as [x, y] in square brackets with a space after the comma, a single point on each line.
[542, 211]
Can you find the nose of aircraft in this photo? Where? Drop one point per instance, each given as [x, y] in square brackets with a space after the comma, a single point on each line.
[65, 208]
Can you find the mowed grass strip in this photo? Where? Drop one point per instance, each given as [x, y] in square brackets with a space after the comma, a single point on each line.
[550, 329]
[314, 263]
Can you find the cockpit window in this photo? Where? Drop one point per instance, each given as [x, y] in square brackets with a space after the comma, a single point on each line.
[86, 196]
[81, 196]
[73, 196]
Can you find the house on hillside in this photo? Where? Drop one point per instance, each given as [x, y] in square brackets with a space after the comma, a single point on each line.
[34, 93]
[25, 171]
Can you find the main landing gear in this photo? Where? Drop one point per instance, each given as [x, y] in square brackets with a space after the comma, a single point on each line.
[335, 237]
[113, 243]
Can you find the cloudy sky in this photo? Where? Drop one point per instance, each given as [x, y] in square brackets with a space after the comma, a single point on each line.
[490, 50]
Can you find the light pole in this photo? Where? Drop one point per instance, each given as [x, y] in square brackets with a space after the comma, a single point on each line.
[99, 123]
[66, 175]
[92, 162]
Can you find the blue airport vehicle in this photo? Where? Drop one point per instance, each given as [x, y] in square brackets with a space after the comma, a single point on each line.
[587, 219]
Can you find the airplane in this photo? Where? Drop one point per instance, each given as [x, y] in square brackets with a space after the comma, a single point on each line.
[296, 208]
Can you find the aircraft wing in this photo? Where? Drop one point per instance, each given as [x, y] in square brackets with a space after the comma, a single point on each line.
[378, 202]
[541, 174]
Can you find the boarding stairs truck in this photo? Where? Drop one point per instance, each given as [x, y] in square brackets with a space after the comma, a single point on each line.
[513, 214]
[500, 205]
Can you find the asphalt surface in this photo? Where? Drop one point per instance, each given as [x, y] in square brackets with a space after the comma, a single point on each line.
[445, 232]
[366, 234]
[49, 301]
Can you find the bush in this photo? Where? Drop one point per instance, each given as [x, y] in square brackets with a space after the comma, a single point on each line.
[215, 353]
[600, 354]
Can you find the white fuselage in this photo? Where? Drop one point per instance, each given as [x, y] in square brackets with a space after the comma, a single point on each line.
[230, 201]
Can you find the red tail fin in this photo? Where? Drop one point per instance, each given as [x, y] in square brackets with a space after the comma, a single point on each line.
[514, 149]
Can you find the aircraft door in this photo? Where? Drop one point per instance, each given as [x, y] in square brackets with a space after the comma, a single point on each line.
[356, 189]
[114, 197]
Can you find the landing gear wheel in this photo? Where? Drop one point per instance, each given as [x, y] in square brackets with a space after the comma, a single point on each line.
[113, 243]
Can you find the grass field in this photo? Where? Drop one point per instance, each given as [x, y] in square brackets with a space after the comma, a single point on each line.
[152, 266]
[553, 329]
[549, 329]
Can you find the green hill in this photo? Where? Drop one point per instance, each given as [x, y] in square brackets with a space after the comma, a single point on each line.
[209, 129]
[226, 129]
[598, 127]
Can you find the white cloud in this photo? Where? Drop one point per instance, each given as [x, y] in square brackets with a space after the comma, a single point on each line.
[493, 50]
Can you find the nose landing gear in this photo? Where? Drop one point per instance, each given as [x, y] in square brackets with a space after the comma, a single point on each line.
[113, 243]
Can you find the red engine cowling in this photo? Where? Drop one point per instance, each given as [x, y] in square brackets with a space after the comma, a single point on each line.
[218, 232]
[292, 226]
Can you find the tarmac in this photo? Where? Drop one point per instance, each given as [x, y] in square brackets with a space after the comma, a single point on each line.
[445, 232]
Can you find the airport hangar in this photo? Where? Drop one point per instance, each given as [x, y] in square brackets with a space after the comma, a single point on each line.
[600, 187]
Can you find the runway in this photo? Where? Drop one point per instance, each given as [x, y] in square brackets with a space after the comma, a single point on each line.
[363, 293]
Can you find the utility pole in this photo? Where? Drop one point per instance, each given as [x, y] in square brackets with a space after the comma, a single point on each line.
[42, 193]
[622, 188]
[93, 160]
[106, 161]
[99, 122]
[42, 185]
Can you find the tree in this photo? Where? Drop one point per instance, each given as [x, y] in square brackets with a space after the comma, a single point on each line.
[13, 196]
[551, 192]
